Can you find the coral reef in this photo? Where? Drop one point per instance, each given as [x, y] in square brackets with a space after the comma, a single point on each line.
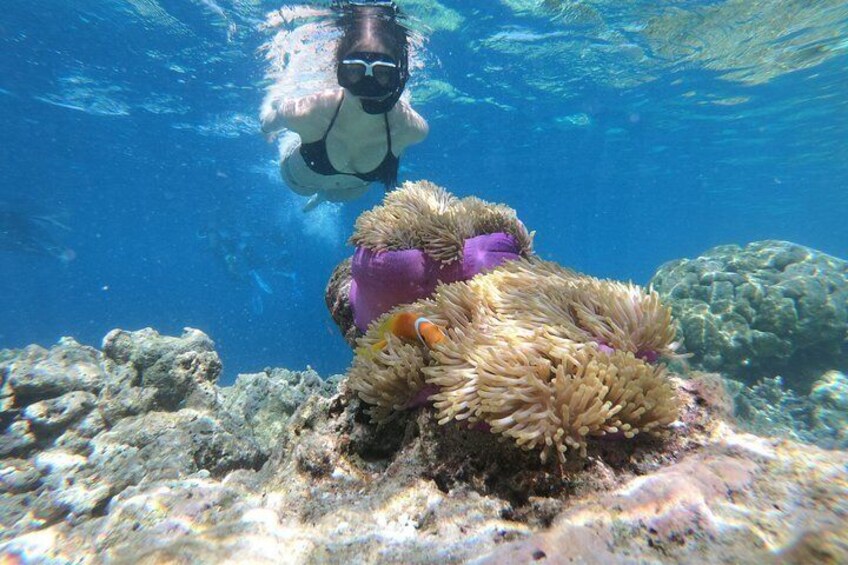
[419, 237]
[769, 308]
[735, 502]
[820, 417]
[82, 426]
[262, 402]
[534, 352]
[336, 489]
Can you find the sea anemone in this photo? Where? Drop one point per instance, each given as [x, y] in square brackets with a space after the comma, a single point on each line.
[419, 237]
[422, 215]
[537, 353]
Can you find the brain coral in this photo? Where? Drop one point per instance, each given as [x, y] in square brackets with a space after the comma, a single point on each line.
[771, 307]
[534, 351]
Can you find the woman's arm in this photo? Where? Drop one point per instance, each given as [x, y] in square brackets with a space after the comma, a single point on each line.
[409, 129]
[271, 117]
[305, 116]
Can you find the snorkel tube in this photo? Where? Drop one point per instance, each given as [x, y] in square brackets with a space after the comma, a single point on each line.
[372, 29]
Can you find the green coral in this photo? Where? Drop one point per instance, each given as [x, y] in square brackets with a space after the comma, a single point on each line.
[770, 308]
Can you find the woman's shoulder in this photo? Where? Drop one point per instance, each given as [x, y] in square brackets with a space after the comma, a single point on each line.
[312, 104]
[406, 121]
[310, 115]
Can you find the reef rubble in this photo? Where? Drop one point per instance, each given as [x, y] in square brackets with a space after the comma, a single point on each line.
[133, 454]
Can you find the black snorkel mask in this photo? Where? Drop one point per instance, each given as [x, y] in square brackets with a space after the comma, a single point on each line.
[373, 57]
[375, 78]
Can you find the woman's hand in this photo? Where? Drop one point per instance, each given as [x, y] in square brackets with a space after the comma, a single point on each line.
[271, 119]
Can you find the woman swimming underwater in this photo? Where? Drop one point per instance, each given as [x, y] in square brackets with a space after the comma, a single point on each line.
[352, 136]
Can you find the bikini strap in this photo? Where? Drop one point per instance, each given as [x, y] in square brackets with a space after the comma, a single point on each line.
[388, 134]
[336, 115]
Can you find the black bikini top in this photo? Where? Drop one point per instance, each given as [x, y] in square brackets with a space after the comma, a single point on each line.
[315, 156]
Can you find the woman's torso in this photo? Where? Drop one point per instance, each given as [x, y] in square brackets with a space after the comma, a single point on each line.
[355, 143]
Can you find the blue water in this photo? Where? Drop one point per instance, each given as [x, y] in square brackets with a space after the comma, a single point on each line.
[131, 126]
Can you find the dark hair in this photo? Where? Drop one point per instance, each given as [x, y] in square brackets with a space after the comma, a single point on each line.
[374, 28]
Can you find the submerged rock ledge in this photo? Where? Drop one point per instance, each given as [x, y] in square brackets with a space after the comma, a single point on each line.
[132, 454]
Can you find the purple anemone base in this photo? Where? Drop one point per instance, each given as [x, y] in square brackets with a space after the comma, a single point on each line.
[382, 280]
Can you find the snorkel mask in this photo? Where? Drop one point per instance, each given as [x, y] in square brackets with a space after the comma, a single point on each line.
[373, 56]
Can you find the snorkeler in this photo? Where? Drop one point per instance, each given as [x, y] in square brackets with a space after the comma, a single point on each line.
[352, 136]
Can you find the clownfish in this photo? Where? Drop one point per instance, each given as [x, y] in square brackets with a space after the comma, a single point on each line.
[408, 326]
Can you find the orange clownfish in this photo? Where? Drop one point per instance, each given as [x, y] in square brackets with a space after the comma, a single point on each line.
[409, 326]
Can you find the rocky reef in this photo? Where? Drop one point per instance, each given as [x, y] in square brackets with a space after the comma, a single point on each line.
[83, 426]
[820, 417]
[767, 309]
[132, 454]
